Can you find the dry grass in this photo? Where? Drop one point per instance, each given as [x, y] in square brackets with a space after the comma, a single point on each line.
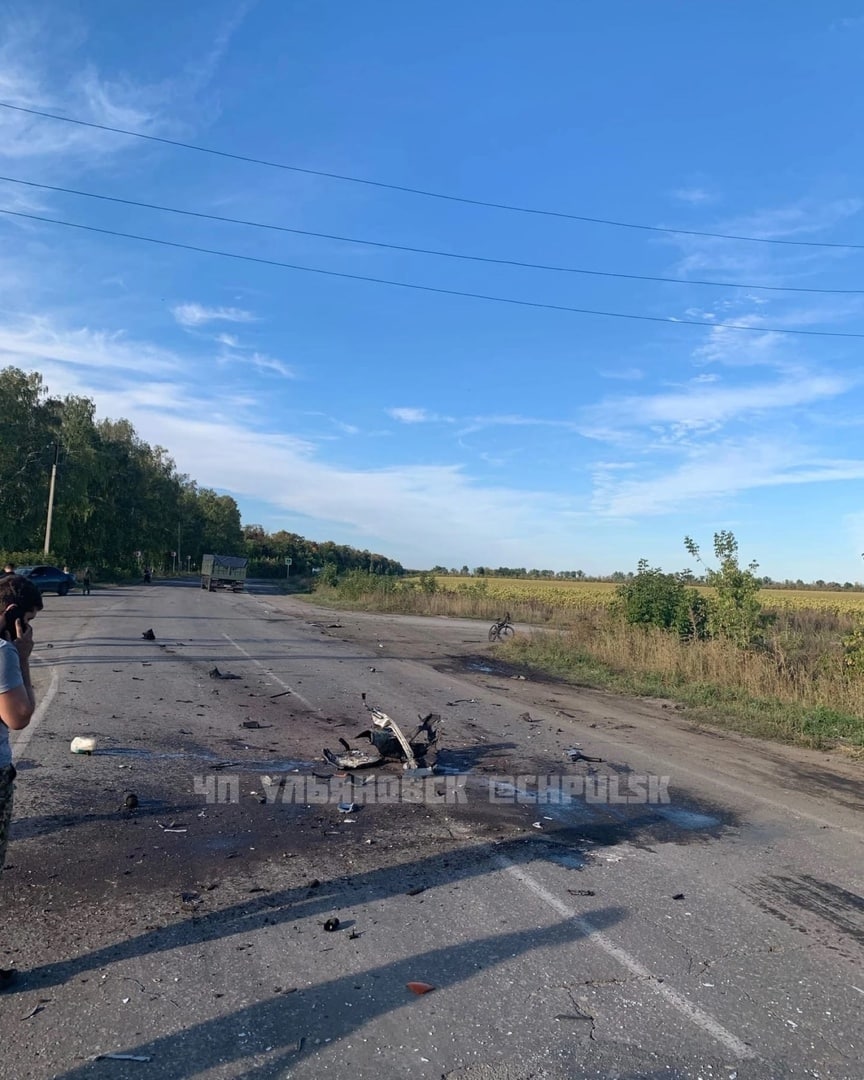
[794, 686]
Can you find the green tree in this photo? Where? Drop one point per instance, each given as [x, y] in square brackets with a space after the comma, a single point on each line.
[735, 611]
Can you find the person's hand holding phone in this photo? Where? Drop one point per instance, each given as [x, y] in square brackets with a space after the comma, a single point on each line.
[17, 630]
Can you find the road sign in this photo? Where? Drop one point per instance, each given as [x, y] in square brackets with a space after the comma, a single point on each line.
[287, 560]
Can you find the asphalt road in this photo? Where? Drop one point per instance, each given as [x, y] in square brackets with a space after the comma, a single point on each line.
[690, 906]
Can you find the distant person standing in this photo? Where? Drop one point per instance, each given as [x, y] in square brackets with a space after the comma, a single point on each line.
[86, 578]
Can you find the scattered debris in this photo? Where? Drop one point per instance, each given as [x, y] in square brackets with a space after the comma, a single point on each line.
[130, 802]
[679, 896]
[354, 935]
[582, 892]
[173, 827]
[37, 1009]
[334, 625]
[463, 701]
[373, 669]
[224, 764]
[251, 724]
[348, 807]
[353, 759]
[82, 744]
[121, 1057]
[332, 924]
[538, 824]
[420, 987]
[529, 719]
[575, 754]
[217, 674]
[148, 635]
[281, 693]
[521, 678]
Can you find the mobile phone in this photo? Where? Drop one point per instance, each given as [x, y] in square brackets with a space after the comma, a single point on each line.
[11, 616]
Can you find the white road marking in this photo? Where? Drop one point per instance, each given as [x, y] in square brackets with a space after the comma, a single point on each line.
[270, 674]
[21, 738]
[684, 1006]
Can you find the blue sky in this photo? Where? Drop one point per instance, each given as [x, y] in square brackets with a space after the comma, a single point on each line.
[442, 429]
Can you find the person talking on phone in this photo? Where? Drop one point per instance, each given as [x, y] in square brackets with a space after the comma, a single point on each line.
[20, 602]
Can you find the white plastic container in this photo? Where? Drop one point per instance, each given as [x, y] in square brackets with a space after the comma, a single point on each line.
[83, 744]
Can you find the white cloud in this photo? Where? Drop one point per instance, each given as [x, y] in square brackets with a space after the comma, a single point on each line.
[34, 340]
[190, 315]
[708, 404]
[41, 67]
[410, 415]
[267, 363]
[716, 471]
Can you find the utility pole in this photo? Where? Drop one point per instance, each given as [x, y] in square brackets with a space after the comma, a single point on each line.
[51, 497]
[179, 556]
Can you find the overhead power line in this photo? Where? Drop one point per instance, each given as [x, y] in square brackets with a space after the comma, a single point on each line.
[668, 320]
[463, 256]
[405, 189]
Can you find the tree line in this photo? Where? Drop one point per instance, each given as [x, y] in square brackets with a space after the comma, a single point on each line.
[119, 503]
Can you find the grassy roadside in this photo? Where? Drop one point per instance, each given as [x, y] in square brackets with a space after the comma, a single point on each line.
[796, 691]
[816, 726]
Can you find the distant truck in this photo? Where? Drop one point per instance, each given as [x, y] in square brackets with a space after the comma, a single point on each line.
[223, 572]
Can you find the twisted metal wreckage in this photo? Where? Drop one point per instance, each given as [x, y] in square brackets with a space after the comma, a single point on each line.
[387, 740]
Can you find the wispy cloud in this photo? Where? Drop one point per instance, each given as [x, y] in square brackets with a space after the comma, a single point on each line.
[190, 315]
[696, 196]
[43, 66]
[37, 340]
[268, 364]
[716, 471]
[407, 414]
[708, 404]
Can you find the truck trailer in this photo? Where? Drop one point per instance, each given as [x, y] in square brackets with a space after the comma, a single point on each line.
[223, 572]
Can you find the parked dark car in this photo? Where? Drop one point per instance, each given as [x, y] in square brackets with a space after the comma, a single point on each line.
[48, 578]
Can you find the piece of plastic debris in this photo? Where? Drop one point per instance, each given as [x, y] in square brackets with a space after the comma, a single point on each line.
[347, 807]
[575, 754]
[148, 635]
[420, 987]
[215, 673]
[251, 724]
[82, 744]
[582, 892]
[354, 935]
[332, 924]
[538, 824]
[131, 800]
[121, 1057]
[678, 896]
[529, 719]
[353, 759]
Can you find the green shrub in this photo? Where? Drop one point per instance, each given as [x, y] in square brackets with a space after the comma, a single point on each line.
[652, 598]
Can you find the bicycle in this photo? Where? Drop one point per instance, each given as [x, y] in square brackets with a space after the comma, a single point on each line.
[502, 629]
